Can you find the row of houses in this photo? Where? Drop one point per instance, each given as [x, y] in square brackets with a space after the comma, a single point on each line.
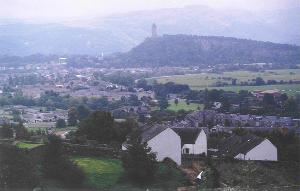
[167, 142]
[173, 143]
[212, 117]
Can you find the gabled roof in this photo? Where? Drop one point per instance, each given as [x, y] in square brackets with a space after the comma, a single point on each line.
[235, 144]
[150, 132]
[188, 135]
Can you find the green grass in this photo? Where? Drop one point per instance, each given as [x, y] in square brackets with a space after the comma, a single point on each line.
[68, 128]
[208, 80]
[107, 174]
[28, 145]
[183, 106]
[101, 173]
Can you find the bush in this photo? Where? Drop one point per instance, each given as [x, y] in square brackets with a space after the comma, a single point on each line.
[57, 166]
[16, 169]
[139, 162]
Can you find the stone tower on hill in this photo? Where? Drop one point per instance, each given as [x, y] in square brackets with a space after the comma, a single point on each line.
[154, 30]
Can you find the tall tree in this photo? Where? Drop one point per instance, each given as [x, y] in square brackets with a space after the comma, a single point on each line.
[72, 116]
[56, 165]
[139, 162]
[16, 170]
[83, 112]
[176, 101]
[291, 108]
[163, 103]
[6, 132]
[98, 126]
[61, 123]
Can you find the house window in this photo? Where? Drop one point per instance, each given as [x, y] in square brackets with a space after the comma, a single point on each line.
[186, 151]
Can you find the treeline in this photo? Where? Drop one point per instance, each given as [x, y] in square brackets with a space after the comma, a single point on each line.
[15, 61]
[53, 100]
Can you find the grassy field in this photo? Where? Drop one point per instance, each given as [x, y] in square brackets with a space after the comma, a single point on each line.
[183, 106]
[208, 80]
[27, 145]
[290, 89]
[101, 173]
[108, 174]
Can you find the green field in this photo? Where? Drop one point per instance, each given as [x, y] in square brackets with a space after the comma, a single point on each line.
[101, 173]
[290, 89]
[107, 174]
[208, 80]
[183, 106]
[27, 145]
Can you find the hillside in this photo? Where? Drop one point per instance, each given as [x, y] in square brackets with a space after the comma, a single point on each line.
[190, 50]
[120, 33]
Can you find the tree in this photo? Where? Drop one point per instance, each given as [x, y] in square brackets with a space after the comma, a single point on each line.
[187, 102]
[291, 108]
[98, 126]
[176, 101]
[139, 162]
[268, 99]
[21, 132]
[240, 131]
[16, 169]
[283, 97]
[61, 123]
[142, 83]
[225, 105]
[6, 132]
[259, 81]
[163, 103]
[57, 166]
[123, 129]
[83, 112]
[233, 81]
[72, 116]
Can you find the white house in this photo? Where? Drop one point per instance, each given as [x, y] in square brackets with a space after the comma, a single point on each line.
[248, 147]
[193, 140]
[163, 141]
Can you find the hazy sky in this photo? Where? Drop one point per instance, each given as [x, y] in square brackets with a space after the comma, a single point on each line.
[59, 10]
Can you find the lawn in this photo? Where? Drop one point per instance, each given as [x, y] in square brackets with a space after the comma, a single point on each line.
[28, 145]
[183, 106]
[107, 174]
[101, 173]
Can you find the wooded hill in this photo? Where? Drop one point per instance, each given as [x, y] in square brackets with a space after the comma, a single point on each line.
[190, 50]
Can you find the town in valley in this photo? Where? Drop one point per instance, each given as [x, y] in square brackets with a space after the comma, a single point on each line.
[176, 111]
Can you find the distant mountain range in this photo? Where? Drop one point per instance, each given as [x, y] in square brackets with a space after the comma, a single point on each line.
[191, 50]
[120, 33]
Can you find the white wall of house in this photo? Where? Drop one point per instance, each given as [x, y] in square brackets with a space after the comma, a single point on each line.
[265, 151]
[199, 147]
[167, 144]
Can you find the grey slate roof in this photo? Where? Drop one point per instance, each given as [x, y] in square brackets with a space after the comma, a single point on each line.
[188, 135]
[150, 132]
[235, 144]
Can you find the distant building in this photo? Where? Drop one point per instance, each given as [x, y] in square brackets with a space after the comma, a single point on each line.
[154, 30]
[62, 61]
[248, 147]
[259, 94]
